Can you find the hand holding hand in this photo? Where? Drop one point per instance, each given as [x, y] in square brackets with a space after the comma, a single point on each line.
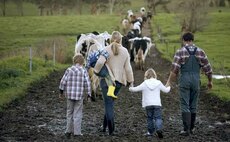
[167, 84]
[131, 84]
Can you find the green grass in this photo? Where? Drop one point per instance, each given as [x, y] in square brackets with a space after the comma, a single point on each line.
[15, 76]
[214, 39]
[23, 32]
[18, 32]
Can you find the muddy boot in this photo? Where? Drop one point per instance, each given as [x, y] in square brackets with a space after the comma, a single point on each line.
[193, 120]
[186, 118]
[111, 92]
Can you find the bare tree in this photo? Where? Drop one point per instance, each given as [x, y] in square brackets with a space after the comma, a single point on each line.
[3, 7]
[79, 6]
[122, 4]
[193, 14]
[19, 4]
[152, 4]
[111, 6]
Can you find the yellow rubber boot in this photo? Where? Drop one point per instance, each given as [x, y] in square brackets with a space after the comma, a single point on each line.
[111, 92]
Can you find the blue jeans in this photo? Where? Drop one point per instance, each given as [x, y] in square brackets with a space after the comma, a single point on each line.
[109, 105]
[154, 118]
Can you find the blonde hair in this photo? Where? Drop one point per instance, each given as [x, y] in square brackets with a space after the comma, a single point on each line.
[115, 42]
[78, 59]
[150, 73]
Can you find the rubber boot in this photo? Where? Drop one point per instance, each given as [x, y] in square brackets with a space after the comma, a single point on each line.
[193, 120]
[111, 92]
[186, 118]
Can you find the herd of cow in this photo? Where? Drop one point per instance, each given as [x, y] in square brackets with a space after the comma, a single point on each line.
[137, 45]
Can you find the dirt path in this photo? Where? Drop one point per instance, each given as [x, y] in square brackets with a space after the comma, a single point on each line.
[40, 116]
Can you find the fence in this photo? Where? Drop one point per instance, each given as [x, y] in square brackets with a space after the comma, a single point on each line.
[54, 50]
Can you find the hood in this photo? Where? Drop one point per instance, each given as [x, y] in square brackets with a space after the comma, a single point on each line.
[152, 83]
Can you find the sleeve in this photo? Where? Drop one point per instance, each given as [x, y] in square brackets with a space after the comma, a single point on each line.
[205, 65]
[137, 88]
[87, 83]
[129, 70]
[164, 88]
[100, 63]
[176, 62]
[64, 80]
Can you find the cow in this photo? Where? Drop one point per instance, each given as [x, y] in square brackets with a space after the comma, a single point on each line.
[140, 47]
[125, 26]
[87, 43]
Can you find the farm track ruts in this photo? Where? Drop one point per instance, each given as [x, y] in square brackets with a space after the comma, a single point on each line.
[40, 115]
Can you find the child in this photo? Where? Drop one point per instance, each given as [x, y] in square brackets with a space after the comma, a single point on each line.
[91, 61]
[151, 101]
[72, 85]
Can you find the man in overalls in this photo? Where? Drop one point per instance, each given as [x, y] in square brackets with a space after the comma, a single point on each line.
[188, 60]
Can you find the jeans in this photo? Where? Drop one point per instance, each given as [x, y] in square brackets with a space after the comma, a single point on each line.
[109, 105]
[154, 118]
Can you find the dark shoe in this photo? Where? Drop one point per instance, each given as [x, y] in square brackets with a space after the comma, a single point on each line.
[78, 135]
[102, 129]
[184, 133]
[68, 135]
[148, 134]
[160, 134]
[192, 131]
[113, 134]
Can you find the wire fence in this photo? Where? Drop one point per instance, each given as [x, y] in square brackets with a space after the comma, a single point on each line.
[56, 50]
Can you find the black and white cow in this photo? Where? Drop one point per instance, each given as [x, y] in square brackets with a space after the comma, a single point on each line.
[140, 47]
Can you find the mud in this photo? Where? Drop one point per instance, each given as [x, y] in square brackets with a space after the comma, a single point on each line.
[40, 115]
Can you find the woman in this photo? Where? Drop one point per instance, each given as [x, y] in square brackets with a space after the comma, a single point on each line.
[120, 70]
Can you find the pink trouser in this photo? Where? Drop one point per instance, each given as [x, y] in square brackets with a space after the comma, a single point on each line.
[74, 116]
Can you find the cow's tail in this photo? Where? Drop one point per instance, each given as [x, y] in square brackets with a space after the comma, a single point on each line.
[140, 54]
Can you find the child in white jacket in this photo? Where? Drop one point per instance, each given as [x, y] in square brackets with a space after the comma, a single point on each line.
[151, 101]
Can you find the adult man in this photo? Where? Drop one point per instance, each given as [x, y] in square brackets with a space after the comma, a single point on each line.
[188, 60]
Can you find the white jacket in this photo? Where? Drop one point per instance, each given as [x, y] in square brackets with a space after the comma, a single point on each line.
[150, 91]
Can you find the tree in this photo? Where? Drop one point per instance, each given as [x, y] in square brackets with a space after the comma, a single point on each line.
[192, 14]
[111, 6]
[152, 4]
[19, 4]
[3, 7]
[122, 4]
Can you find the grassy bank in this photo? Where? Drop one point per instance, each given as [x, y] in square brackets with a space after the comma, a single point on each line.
[40, 33]
[15, 76]
[213, 39]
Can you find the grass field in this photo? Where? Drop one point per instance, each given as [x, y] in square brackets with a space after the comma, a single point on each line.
[214, 39]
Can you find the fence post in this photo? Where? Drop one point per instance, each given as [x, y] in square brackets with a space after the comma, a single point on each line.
[30, 60]
[54, 53]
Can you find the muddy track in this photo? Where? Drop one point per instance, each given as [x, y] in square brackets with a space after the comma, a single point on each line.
[40, 115]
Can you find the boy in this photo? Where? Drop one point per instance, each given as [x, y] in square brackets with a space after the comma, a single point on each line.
[151, 101]
[72, 85]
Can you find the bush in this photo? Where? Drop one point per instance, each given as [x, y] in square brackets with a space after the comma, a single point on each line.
[10, 73]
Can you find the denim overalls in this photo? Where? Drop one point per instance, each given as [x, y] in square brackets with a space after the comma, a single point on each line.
[189, 82]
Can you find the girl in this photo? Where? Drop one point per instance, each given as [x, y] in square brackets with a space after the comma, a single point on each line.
[151, 101]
